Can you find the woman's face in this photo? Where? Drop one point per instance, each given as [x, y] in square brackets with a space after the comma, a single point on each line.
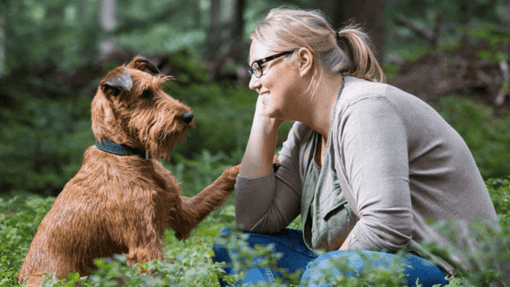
[278, 86]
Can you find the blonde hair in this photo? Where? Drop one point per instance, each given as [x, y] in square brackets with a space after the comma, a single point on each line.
[348, 51]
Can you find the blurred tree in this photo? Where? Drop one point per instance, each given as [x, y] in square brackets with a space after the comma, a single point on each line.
[197, 23]
[214, 34]
[225, 39]
[2, 47]
[367, 13]
[238, 33]
[108, 25]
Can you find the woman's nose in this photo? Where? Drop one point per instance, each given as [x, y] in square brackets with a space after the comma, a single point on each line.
[254, 83]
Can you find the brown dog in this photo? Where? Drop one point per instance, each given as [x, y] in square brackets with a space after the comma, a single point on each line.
[122, 198]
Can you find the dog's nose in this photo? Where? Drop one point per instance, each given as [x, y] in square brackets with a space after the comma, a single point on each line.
[187, 117]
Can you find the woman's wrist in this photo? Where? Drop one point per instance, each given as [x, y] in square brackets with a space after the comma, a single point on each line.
[258, 157]
[268, 126]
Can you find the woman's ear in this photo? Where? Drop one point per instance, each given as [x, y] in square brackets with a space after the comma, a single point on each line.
[305, 61]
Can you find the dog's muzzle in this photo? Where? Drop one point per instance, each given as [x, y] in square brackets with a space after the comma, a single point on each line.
[187, 117]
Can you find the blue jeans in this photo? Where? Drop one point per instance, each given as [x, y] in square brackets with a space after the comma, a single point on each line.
[298, 257]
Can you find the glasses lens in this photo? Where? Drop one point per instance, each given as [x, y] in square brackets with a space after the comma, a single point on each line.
[257, 71]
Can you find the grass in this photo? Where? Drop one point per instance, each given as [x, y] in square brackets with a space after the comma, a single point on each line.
[190, 263]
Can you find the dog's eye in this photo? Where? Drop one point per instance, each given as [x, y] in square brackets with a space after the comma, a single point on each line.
[146, 94]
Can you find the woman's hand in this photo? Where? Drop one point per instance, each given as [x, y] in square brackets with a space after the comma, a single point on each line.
[261, 116]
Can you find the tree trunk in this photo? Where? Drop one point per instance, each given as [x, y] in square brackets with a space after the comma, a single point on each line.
[108, 25]
[197, 23]
[220, 39]
[464, 11]
[368, 13]
[213, 36]
[238, 27]
[329, 8]
[3, 69]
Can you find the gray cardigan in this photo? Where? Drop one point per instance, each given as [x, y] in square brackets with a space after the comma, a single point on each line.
[403, 162]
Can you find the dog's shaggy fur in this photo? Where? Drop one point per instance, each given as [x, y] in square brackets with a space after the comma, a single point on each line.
[121, 204]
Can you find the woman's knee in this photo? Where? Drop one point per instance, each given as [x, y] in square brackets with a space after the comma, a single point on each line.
[352, 263]
[334, 263]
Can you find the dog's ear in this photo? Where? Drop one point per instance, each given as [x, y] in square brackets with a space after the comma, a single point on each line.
[142, 64]
[116, 81]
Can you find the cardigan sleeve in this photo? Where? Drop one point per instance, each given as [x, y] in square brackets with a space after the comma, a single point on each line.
[374, 146]
[269, 203]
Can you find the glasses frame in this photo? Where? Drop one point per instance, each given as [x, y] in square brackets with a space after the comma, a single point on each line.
[253, 67]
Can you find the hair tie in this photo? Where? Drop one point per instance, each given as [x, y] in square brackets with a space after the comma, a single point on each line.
[338, 37]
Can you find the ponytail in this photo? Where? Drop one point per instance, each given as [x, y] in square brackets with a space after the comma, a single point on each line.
[361, 59]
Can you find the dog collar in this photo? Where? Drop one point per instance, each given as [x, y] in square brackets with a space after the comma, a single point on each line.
[118, 149]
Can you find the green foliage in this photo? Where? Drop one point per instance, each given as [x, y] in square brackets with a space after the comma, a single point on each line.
[480, 245]
[43, 142]
[486, 135]
[494, 37]
[190, 263]
[499, 189]
[20, 215]
[48, 32]
[482, 252]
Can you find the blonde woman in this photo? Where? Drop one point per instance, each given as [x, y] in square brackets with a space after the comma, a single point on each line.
[365, 164]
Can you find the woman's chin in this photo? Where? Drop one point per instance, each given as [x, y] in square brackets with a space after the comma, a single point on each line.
[274, 114]
[272, 111]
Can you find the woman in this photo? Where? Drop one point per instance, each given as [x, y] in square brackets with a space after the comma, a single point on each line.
[365, 164]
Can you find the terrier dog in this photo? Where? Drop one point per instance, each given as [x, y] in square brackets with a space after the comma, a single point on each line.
[122, 198]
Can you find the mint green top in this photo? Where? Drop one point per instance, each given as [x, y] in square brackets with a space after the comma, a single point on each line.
[327, 223]
[327, 219]
[402, 162]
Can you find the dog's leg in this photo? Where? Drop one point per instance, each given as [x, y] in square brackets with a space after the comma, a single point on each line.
[213, 195]
[34, 281]
[143, 254]
[195, 209]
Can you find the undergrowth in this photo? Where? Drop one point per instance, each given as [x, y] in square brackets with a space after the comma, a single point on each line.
[190, 263]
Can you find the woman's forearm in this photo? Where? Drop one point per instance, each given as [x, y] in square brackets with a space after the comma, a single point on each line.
[258, 157]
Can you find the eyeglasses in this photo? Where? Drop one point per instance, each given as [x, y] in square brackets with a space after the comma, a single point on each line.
[256, 68]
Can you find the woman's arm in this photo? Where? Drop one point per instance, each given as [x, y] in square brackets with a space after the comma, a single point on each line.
[267, 201]
[258, 157]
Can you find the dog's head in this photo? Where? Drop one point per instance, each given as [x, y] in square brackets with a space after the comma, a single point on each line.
[131, 108]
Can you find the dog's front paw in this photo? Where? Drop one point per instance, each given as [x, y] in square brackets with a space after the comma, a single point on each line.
[231, 172]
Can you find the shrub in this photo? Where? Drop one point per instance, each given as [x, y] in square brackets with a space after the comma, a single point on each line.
[20, 215]
[43, 142]
[190, 263]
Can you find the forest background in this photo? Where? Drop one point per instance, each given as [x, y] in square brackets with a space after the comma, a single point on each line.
[453, 54]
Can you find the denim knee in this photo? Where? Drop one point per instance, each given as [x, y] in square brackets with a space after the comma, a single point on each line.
[414, 267]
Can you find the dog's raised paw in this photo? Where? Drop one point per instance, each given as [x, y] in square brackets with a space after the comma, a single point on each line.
[232, 172]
